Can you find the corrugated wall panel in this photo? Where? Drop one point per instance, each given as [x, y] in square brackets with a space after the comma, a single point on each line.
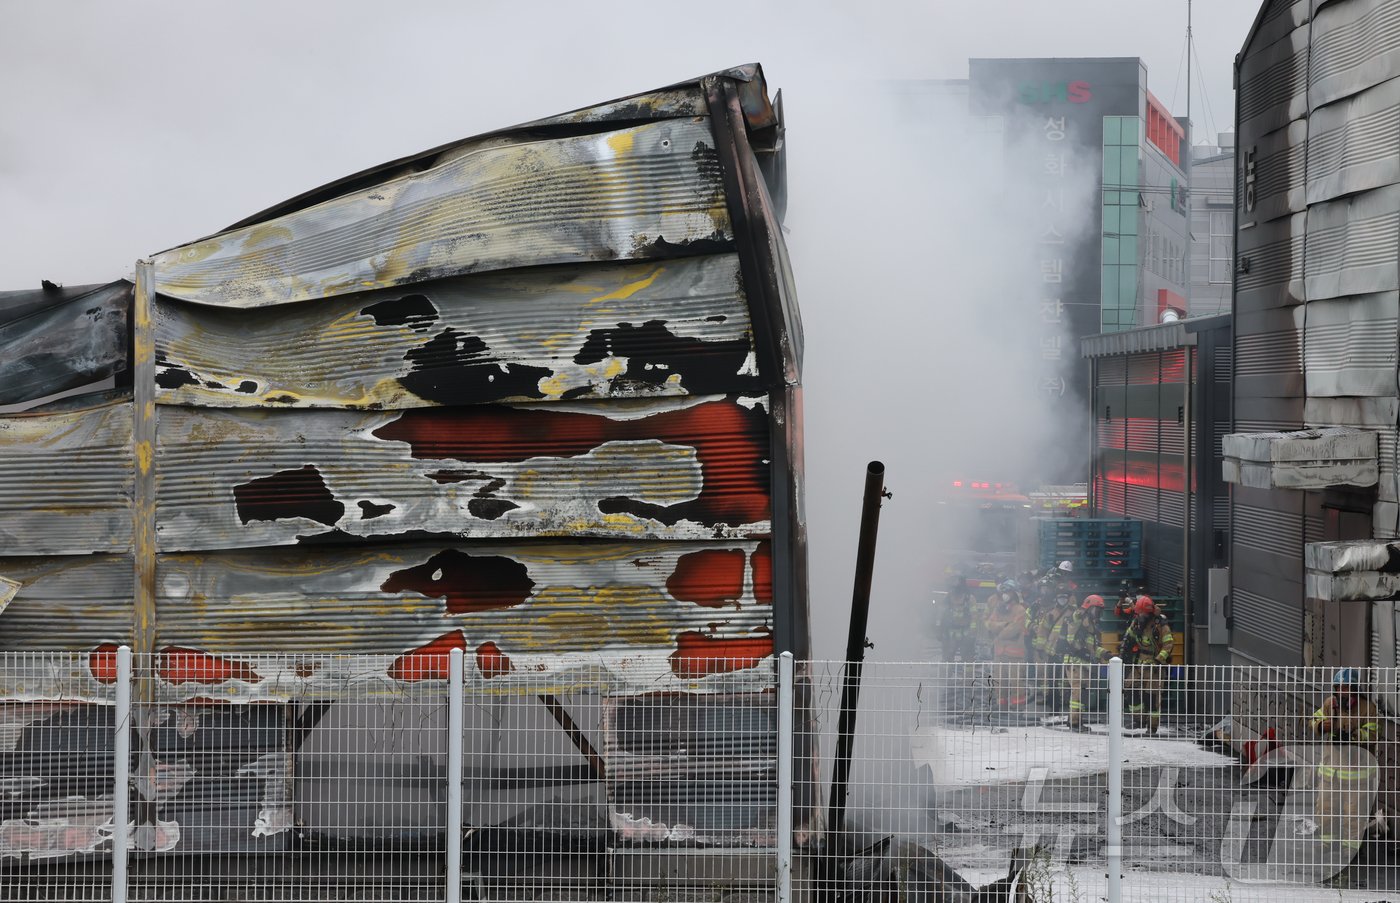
[67, 603]
[1352, 245]
[1269, 272]
[1353, 144]
[73, 343]
[1378, 415]
[651, 191]
[1141, 501]
[65, 482]
[1273, 84]
[1279, 170]
[673, 469]
[1113, 371]
[1355, 45]
[1267, 626]
[1276, 532]
[655, 328]
[1350, 346]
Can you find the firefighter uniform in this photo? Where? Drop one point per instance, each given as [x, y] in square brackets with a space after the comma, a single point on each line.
[1147, 647]
[1006, 626]
[956, 636]
[1346, 776]
[1077, 638]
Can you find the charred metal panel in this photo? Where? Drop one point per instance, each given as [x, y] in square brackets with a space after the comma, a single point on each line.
[681, 101]
[1352, 245]
[71, 343]
[1350, 347]
[1375, 415]
[1270, 270]
[672, 469]
[657, 328]
[1280, 160]
[65, 482]
[1355, 45]
[71, 603]
[1273, 88]
[1353, 144]
[536, 604]
[1269, 354]
[652, 191]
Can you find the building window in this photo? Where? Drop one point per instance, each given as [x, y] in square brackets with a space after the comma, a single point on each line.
[1221, 240]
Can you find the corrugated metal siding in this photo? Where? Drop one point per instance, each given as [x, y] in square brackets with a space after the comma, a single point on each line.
[1354, 45]
[1278, 622]
[672, 469]
[1273, 84]
[658, 328]
[1352, 245]
[1353, 144]
[1275, 532]
[651, 191]
[65, 482]
[63, 345]
[70, 603]
[1350, 346]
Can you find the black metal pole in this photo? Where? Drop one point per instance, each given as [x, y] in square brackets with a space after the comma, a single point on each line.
[856, 644]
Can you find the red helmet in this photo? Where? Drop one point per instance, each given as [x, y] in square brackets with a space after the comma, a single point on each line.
[1144, 606]
[1094, 600]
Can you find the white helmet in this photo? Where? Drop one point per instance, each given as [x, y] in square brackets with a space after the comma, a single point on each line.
[1066, 567]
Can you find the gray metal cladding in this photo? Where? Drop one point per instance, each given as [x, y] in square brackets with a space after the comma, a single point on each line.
[1273, 84]
[1279, 18]
[667, 469]
[1350, 346]
[1276, 532]
[67, 603]
[65, 482]
[1353, 147]
[1268, 625]
[649, 191]
[1269, 272]
[1269, 354]
[655, 328]
[1355, 44]
[679, 102]
[1352, 245]
[71, 343]
[660, 610]
[1280, 171]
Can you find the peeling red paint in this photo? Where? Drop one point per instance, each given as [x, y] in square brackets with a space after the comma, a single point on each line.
[429, 661]
[712, 577]
[179, 665]
[102, 663]
[466, 583]
[698, 654]
[730, 442]
[491, 661]
[762, 563]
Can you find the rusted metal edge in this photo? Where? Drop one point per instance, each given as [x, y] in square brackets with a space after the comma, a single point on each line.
[143, 444]
[759, 273]
[749, 74]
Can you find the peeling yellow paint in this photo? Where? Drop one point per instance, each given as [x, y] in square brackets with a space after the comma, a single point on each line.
[630, 289]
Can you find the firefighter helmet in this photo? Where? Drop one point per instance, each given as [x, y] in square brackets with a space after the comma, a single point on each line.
[1066, 567]
[1093, 600]
[1346, 677]
[1144, 606]
[1007, 586]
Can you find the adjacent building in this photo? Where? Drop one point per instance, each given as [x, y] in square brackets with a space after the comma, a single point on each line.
[1316, 304]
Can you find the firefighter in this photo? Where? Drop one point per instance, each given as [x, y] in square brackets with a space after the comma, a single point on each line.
[1346, 777]
[955, 622]
[1078, 640]
[1006, 627]
[1147, 649]
[1056, 602]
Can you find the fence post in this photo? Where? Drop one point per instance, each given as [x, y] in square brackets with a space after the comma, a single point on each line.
[452, 831]
[785, 711]
[1115, 780]
[121, 773]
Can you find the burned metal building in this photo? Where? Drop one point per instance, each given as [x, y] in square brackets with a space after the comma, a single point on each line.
[534, 395]
[1312, 457]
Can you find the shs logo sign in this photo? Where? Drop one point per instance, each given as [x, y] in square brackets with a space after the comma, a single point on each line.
[1055, 92]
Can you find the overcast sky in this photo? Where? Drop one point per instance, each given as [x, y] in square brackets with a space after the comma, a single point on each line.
[127, 128]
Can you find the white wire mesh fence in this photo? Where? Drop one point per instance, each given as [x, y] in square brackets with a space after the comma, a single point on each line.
[353, 778]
